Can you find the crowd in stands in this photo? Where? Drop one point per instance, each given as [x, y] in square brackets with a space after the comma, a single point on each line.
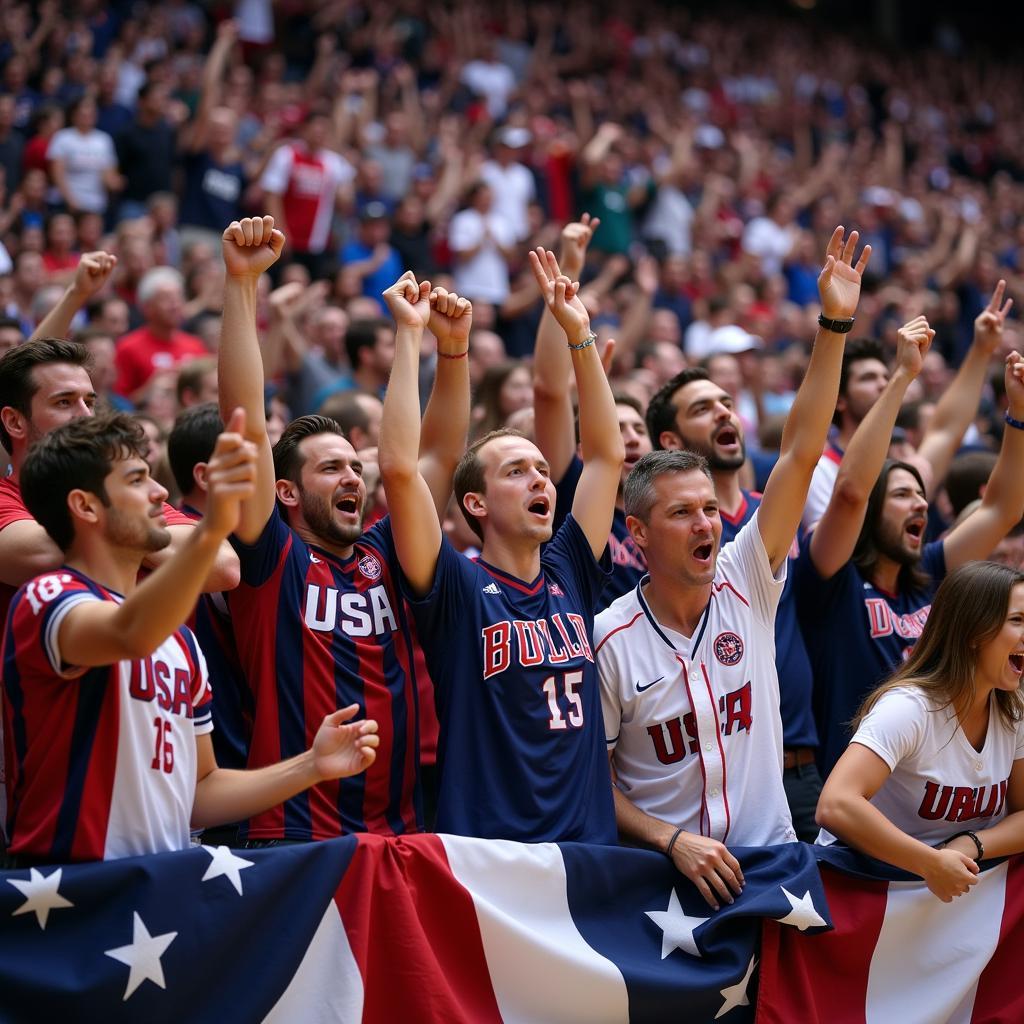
[422, 166]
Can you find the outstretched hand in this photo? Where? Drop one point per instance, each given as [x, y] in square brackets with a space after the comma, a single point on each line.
[450, 320]
[839, 281]
[408, 301]
[250, 246]
[340, 749]
[576, 238]
[1014, 381]
[560, 295]
[988, 325]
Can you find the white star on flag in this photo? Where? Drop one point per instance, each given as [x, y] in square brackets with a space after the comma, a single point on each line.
[736, 995]
[226, 863]
[678, 927]
[142, 956]
[40, 894]
[803, 915]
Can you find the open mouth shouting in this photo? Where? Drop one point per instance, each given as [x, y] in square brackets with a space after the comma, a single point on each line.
[348, 504]
[728, 439]
[914, 531]
[1017, 662]
[539, 507]
[703, 554]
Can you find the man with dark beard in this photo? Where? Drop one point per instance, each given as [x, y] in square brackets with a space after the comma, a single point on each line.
[318, 615]
[691, 412]
[865, 579]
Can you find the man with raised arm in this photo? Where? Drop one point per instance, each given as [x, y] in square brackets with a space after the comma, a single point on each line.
[689, 687]
[508, 637]
[107, 705]
[318, 616]
[554, 427]
[865, 581]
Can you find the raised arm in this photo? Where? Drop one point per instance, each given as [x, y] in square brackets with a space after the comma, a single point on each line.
[836, 534]
[91, 274]
[101, 632]
[553, 421]
[414, 519]
[249, 247]
[445, 424]
[197, 134]
[959, 404]
[807, 424]
[1003, 502]
[600, 440]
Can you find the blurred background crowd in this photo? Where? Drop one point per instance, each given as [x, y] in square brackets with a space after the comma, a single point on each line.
[718, 153]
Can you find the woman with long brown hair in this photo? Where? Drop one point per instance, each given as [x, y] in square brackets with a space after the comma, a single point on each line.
[933, 779]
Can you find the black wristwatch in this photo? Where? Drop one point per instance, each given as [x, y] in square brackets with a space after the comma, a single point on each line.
[837, 326]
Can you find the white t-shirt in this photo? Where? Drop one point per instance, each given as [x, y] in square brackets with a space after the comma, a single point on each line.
[85, 158]
[514, 189]
[694, 723]
[670, 220]
[940, 784]
[763, 237]
[483, 277]
[823, 483]
[492, 80]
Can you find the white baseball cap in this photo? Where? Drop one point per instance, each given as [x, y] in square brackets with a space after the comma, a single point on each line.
[732, 339]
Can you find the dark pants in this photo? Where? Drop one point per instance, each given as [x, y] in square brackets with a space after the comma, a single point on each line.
[803, 787]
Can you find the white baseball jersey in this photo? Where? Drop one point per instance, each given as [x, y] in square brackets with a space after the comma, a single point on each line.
[940, 784]
[694, 722]
[823, 483]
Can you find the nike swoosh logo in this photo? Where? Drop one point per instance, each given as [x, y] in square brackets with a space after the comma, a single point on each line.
[640, 689]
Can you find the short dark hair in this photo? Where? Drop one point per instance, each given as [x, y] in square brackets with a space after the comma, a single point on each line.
[857, 351]
[469, 474]
[967, 473]
[17, 381]
[661, 413]
[363, 334]
[191, 374]
[76, 456]
[638, 496]
[346, 410]
[288, 459]
[191, 441]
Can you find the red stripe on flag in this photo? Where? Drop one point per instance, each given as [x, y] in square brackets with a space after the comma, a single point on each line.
[1000, 994]
[823, 978]
[414, 934]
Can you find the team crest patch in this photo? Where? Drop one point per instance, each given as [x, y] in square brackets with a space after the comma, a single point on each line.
[370, 567]
[728, 648]
[555, 590]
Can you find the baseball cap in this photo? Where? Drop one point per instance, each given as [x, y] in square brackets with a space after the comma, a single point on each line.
[373, 210]
[732, 339]
[514, 138]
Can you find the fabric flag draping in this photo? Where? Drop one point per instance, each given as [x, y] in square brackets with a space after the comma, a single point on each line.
[415, 929]
[898, 953]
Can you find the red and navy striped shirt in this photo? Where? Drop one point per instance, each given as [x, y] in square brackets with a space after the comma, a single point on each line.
[101, 762]
[315, 633]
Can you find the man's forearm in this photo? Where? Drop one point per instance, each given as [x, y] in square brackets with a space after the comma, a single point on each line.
[239, 361]
[57, 323]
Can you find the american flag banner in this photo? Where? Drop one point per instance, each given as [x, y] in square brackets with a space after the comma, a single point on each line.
[898, 954]
[426, 928]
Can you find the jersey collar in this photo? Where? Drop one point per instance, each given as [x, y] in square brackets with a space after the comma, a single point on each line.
[656, 626]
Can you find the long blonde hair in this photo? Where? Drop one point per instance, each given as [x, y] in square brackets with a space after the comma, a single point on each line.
[968, 611]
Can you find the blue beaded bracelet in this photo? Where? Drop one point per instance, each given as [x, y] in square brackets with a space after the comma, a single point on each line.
[585, 343]
[1019, 424]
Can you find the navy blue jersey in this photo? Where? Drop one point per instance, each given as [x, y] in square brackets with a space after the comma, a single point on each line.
[791, 660]
[521, 753]
[629, 565]
[856, 635]
[316, 633]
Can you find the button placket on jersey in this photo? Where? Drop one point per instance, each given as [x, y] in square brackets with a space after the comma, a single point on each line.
[709, 749]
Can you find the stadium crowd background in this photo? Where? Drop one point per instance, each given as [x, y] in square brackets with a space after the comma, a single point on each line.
[718, 153]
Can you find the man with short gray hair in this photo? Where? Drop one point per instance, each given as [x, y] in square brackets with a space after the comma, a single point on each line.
[159, 344]
[689, 688]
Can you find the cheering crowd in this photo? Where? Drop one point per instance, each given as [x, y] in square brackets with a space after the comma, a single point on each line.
[488, 515]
